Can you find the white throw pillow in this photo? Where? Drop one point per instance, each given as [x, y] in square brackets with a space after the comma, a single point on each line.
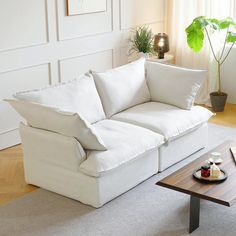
[66, 123]
[173, 85]
[122, 87]
[78, 96]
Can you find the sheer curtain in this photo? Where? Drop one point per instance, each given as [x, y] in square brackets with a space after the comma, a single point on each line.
[179, 14]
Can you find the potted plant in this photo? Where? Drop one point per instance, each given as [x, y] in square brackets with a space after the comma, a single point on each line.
[196, 31]
[142, 41]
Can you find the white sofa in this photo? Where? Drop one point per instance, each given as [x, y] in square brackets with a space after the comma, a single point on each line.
[96, 137]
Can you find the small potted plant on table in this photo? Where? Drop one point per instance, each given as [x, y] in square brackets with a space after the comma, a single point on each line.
[196, 31]
[142, 41]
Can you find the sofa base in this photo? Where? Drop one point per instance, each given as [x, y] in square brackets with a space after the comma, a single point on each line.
[178, 149]
[45, 166]
[87, 189]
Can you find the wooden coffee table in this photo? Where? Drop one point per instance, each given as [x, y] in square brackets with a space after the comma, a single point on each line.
[223, 193]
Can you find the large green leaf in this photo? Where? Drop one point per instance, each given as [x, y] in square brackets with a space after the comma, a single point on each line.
[213, 23]
[195, 31]
[231, 38]
[201, 21]
[225, 23]
[195, 36]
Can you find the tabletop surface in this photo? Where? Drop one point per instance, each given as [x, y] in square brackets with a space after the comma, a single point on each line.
[222, 193]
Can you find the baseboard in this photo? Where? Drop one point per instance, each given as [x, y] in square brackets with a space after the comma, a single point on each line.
[9, 138]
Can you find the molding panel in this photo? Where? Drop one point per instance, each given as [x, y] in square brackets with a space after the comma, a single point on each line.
[22, 23]
[14, 81]
[70, 27]
[41, 45]
[71, 68]
[138, 12]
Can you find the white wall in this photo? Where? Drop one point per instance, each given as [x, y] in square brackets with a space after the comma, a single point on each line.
[40, 45]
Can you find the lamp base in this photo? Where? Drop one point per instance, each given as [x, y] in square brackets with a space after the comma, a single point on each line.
[161, 55]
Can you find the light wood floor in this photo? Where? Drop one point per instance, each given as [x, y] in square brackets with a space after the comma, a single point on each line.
[12, 184]
[226, 118]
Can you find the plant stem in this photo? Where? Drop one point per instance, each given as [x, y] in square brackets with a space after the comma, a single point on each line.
[222, 53]
[209, 39]
[227, 53]
[217, 60]
[219, 74]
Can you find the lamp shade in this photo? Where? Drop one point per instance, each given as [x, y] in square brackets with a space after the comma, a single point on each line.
[161, 44]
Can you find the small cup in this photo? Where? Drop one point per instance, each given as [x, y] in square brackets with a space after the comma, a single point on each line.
[215, 158]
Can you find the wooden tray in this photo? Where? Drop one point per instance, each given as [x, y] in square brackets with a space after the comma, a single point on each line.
[222, 177]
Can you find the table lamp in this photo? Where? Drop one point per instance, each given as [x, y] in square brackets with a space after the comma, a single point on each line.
[161, 44]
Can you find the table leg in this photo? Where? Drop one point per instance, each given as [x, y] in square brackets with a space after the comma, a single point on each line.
[194, 213]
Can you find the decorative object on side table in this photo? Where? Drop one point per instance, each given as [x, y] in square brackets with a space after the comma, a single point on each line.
[221, 176]
[142, 41]
[196, 31]
[215, 158]
[161, 44]
[211, 172]
[205, 171]
[215, 171]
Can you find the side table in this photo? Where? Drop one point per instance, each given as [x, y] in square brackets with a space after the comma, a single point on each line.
[169, 58]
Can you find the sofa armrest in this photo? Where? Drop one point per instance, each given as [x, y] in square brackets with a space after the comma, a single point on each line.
[52, 148]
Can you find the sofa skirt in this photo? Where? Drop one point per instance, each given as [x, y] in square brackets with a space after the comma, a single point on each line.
[87, 189]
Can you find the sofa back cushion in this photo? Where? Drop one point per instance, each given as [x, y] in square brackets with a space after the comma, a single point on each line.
[77, 96]
[173, 85]
[122, 87]
[55, 120]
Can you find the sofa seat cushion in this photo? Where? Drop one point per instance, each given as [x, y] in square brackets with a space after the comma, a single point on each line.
[78, 96]
[122, 87]
[124, 143]
[167, 120]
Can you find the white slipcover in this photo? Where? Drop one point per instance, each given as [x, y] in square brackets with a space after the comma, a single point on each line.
[51, 148]
[51, 162]
[56, 162]
[66, 123]
[124, 143]
[78, 95]
[170, 121]
[173, 85]
[122, 87]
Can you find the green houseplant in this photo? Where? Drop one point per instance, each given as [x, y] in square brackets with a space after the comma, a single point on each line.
[142, 41]
[202, 26]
